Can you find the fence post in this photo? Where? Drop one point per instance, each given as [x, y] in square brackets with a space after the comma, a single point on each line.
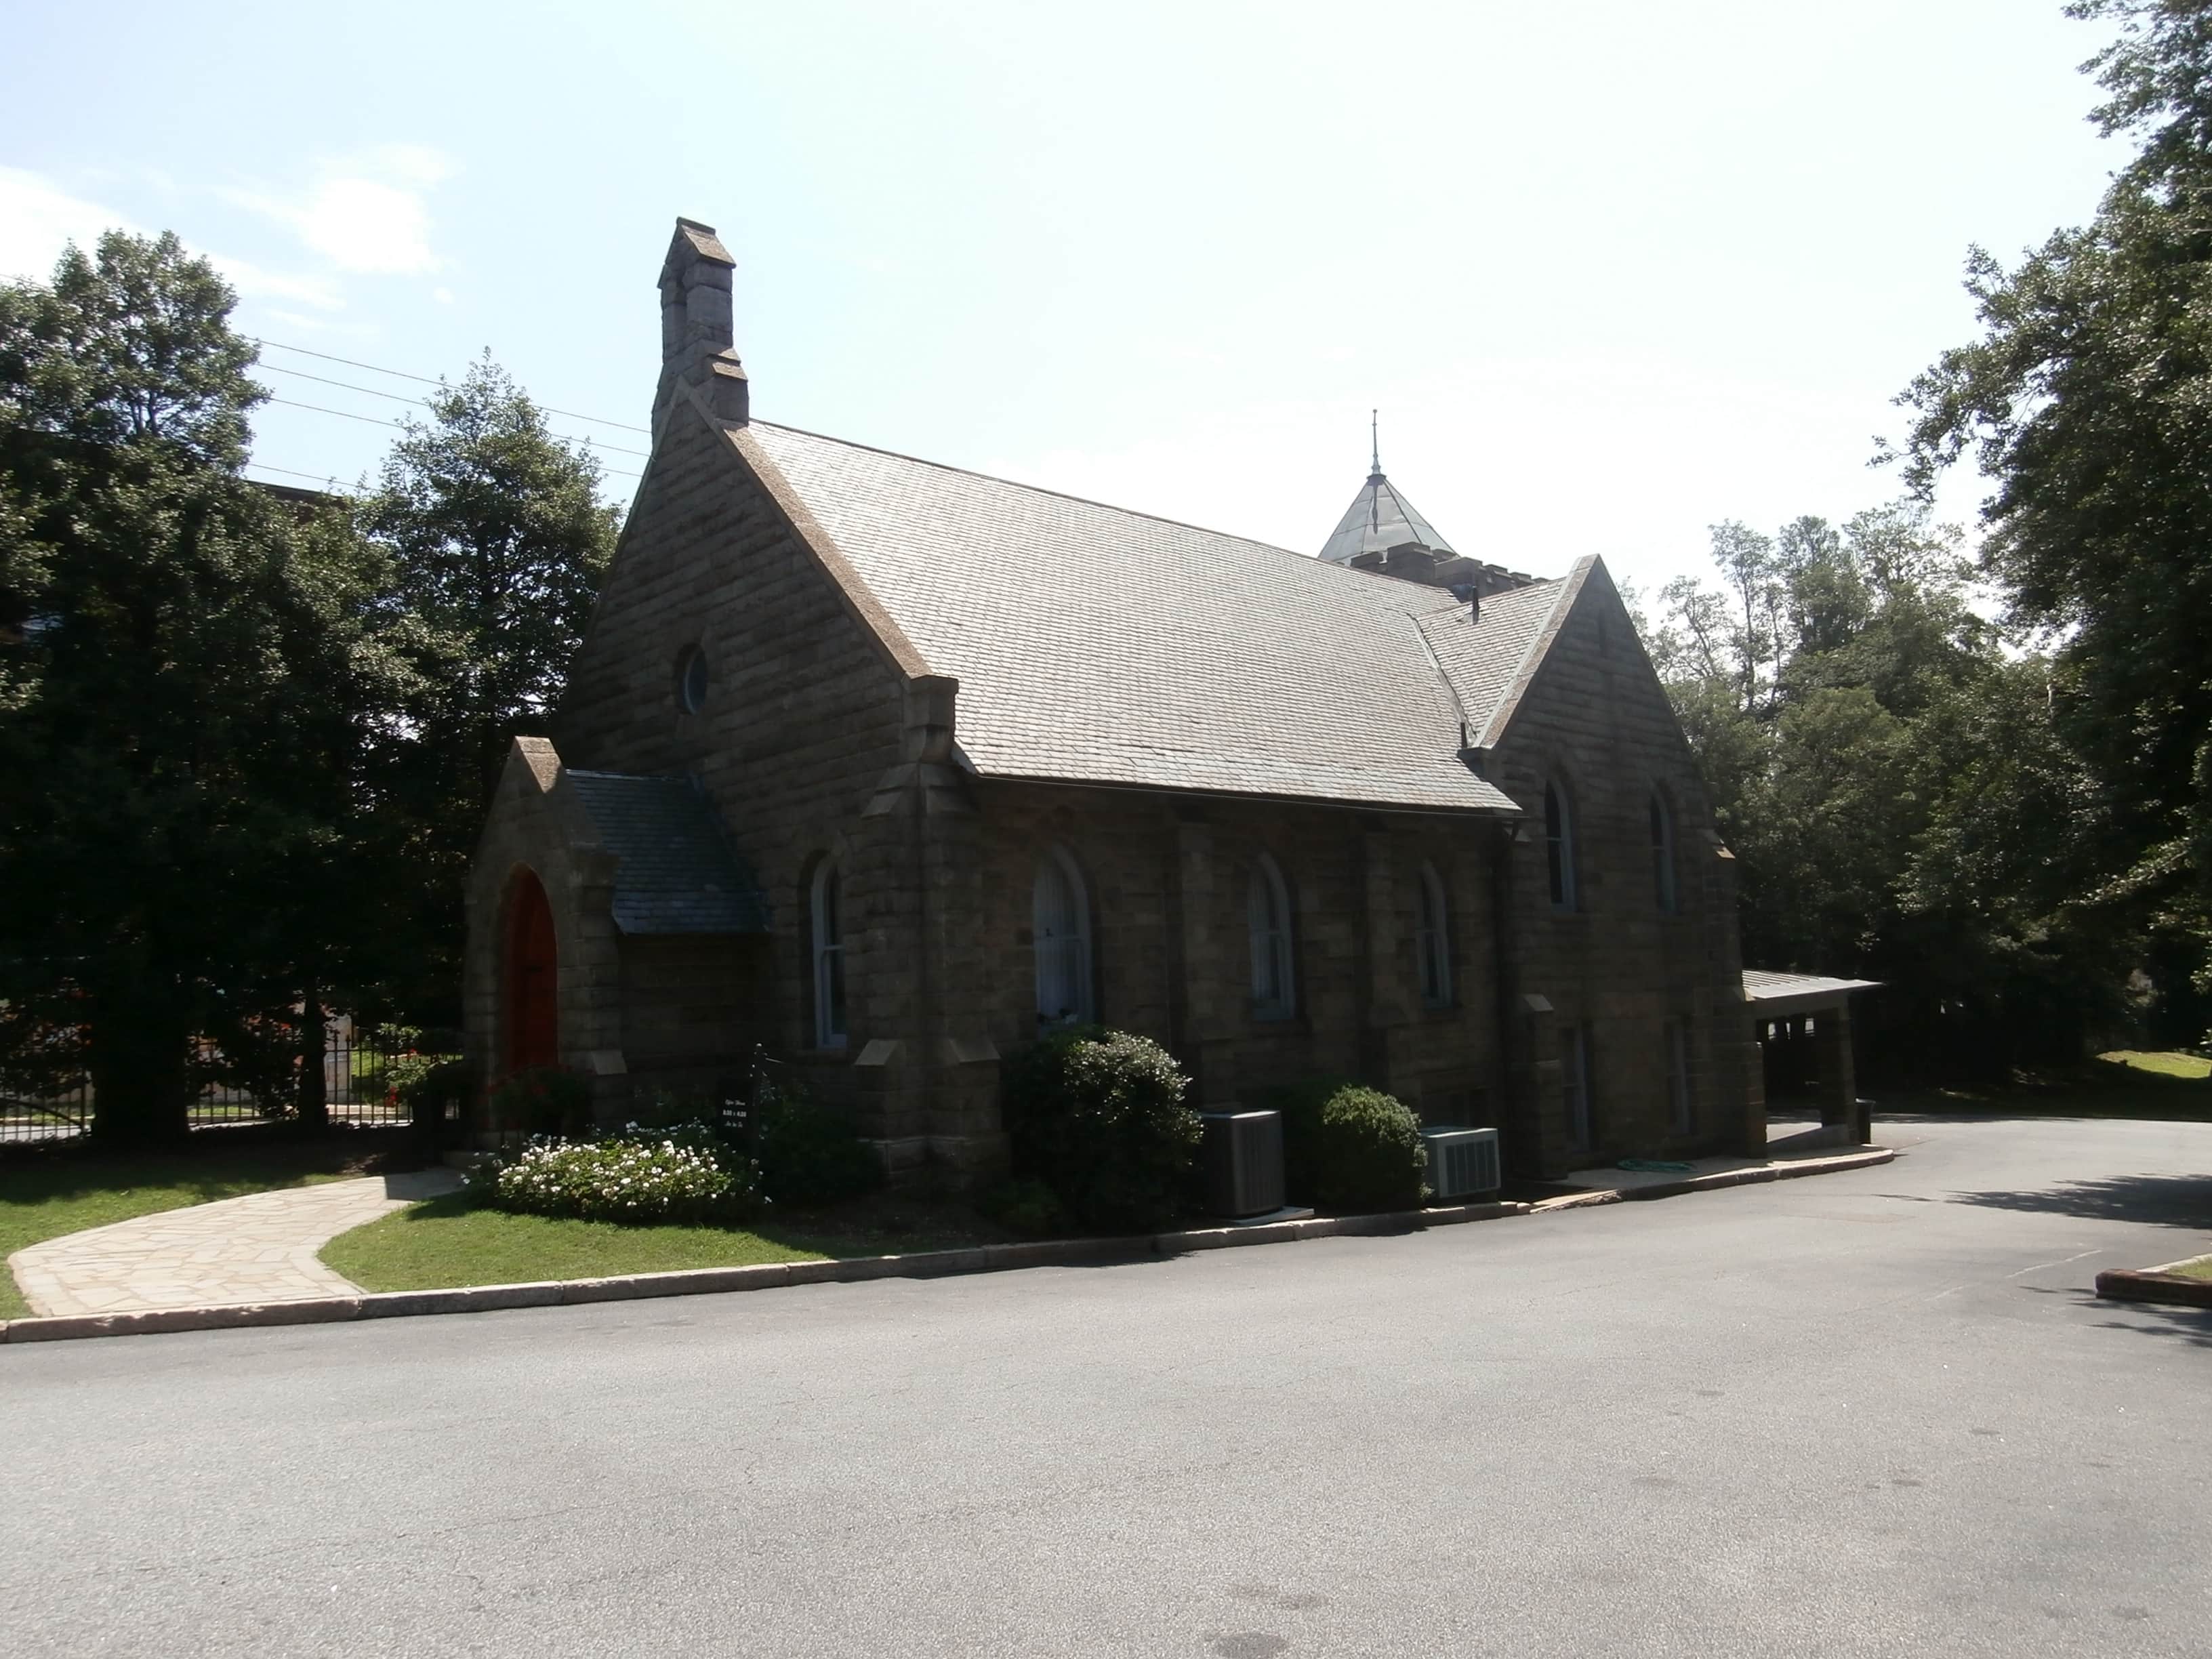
[315, 1099]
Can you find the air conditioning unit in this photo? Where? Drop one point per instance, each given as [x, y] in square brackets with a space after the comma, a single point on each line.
[1461, 1162]
[1242, 1157]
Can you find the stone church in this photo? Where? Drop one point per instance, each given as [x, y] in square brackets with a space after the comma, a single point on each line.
[892, 767]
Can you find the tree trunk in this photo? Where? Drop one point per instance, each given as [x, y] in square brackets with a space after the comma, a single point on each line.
[314, 1099]
[141, 1088]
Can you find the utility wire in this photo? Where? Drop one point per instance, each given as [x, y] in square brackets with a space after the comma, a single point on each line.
[424, 403]
[378, 369]
[295, 473]
[373, 419]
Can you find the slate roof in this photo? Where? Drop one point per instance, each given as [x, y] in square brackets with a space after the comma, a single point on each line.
[1378, 520]
[1487, 661]
[1093, 644]
[676, 871]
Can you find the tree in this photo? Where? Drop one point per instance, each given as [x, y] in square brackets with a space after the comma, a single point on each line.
[2089, 402]
[1900, 800]
[496, 541]
[181, 682]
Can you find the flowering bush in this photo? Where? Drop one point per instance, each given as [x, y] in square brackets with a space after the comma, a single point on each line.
[681, 1175]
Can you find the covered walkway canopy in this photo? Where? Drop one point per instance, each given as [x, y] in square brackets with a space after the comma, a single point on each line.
[1796, 1007]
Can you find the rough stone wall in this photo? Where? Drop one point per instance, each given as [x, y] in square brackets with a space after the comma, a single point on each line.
[1595, 719]
[693, 1006]
[1167, 879]
[534, 824]
[803, 744]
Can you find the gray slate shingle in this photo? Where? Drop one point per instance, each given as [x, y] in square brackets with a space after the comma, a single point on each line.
[676, 872]
[1093, 644]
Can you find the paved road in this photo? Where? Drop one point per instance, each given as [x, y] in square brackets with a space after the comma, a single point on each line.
[1870, 1413]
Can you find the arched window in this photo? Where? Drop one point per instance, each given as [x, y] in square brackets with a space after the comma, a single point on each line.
[1061, 931]
[1662, 855]
[1559, 847]
[1268, 912]
[693, 678]
[828, 934]
[1432, 942]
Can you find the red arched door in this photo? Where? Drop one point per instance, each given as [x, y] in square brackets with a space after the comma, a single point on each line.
[533, 1020]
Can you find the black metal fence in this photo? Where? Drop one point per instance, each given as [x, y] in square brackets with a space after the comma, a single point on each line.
[363, 1067]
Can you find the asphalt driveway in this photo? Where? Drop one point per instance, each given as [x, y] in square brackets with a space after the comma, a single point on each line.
[1877, 1412]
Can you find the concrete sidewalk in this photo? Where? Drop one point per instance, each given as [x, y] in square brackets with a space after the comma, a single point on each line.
[258, 1248]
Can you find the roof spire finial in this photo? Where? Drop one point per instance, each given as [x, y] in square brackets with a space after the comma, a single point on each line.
[1374, 438]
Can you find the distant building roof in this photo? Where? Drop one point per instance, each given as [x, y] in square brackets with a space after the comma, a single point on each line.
[1378, 520]
[674, 871]
[1093, 644]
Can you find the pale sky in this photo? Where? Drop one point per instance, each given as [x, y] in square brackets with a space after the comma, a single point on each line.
[1611, 271]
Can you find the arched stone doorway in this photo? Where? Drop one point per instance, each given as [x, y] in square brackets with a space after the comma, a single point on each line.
[531, 980]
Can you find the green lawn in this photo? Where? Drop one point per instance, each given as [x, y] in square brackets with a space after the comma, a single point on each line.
[46, 1194]
[2126, 1083]
[2195, 1067]
[449, 1241]
[2200, 1268]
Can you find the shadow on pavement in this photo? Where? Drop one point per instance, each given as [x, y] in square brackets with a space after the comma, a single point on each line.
[2159, 1200]
[2190, 1325]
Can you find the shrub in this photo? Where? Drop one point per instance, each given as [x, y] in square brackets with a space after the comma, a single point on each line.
[809, 1155]
[1099, 1117]
[1348, 1147]
[683, 1175]
[542, 1100]
[1025, 1207]
[425, 1083]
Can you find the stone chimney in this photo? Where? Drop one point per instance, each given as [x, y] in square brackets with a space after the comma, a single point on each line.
[697, 340]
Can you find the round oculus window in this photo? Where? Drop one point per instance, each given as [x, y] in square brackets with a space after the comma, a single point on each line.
[691, 681]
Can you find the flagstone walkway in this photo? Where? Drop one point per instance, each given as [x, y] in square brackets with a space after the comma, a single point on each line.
[260, 1248]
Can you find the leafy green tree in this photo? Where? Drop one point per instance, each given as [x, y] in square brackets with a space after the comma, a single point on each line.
[496, 541]
[184, 660]
[1900, 798]
[2087, 400]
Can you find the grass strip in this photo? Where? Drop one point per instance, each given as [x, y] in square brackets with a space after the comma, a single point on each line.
[455, 1241]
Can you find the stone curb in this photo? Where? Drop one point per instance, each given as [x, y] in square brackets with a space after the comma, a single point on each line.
[2155, 1285]
[928, 1264]
[1756, 1174]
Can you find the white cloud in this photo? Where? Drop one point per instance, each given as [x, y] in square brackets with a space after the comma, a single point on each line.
[367, 212]
[253, 282]
[37, 218]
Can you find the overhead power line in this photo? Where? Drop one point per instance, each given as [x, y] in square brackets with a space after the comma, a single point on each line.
[326, 479]
[401, 374]
[422, 402]
[373, 420]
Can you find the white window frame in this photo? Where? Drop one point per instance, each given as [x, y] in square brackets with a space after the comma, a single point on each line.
[826, 940]
[1664, 888]
[1267, 916]
[1060, 944]
[1432, 940]
[1559, 847]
